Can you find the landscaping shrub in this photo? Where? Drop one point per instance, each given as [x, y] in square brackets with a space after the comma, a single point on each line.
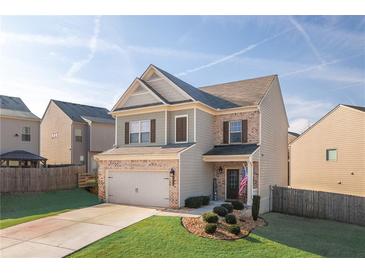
[255, 207]
[210, 217]
[206, 200]
[231, 219]
[234, 229]
[237, 205]
[229, 207]
[194, 202]
[220, 210]
[210, 228]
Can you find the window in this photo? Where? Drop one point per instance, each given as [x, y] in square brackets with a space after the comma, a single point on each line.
[78, 135]
[235, 132]
[82, 159]
[140, 131]
[181, 129]
[26, 134]
[331, 154]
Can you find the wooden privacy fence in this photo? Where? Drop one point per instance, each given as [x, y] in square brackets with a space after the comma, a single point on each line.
[39, 179]
[87, 180]
[318, 204]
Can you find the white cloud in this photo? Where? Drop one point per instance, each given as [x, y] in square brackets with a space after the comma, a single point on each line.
[235, 54]
[299, 125]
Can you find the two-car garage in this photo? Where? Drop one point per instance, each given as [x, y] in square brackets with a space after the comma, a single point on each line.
[145, 188]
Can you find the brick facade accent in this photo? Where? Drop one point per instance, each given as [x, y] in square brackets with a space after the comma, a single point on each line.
[253, 125]
[135, 165]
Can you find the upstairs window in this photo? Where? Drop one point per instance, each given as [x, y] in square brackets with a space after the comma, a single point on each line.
[331, 154]
[181, 129]
[140, 131]
[235, 132]
[78, 135]
[26, 134]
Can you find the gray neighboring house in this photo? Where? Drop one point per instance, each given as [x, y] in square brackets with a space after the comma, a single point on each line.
[73, 133]
[19, 133]
[175, 141]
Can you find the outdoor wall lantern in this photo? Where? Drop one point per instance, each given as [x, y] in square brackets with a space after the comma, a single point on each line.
[220, 170]
[172, 176]
[16, 135]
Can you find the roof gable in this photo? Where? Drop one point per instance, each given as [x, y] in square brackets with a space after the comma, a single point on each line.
[76, 112]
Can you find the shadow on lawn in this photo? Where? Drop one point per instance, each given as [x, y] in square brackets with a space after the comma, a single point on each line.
[14, 206]
[321, 237]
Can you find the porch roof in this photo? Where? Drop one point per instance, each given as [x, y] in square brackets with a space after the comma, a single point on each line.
[237, 152]
[21, 155]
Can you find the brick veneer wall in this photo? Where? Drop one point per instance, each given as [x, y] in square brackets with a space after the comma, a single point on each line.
[253, 125]
[142, 165]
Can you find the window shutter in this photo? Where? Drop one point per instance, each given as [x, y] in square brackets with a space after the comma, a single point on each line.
[126, 133]
[225, 132]
[153, 131]
[181, 127]
[244, 131]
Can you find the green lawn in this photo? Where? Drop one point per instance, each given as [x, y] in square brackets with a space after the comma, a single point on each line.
[25, 207]
[285, 236]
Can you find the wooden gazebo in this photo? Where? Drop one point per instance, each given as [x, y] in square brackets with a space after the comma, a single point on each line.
[21, 158]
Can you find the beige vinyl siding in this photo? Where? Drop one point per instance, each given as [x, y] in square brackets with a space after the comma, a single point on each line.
[166, 90]
[101, 136]
[171, 124]
[140, 97]
[344, 130]
[160, 127]
[274, 144]
[80, 149]
[57, 150]
[9, 127]
[196, 175]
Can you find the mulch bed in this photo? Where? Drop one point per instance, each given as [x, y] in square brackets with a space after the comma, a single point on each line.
[196, 226]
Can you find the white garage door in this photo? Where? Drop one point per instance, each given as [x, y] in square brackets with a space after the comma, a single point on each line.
[139, 188]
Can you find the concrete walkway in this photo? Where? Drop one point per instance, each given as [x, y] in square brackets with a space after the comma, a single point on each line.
[62, 234]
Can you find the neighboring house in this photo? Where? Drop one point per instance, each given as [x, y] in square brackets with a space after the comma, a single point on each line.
[173, 140]
[291, 137]
[73, 133]
[19, 134]
[330, 155]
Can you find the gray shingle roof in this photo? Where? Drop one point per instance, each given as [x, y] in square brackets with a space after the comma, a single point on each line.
[199, 95]
[293, 133]
[21, 155]
[76, 111]
[356, 107]
[244, 149]
[15, 107]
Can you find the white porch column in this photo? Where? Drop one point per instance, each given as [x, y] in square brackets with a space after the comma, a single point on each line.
[250, 182]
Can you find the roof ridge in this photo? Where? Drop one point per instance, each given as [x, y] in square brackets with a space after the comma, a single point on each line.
[71, 103]
[237, 81]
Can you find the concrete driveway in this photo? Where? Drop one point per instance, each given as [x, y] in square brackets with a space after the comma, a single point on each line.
[62, 234]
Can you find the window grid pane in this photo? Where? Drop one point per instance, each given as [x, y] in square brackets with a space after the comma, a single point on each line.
[135, 127]
[331, 154]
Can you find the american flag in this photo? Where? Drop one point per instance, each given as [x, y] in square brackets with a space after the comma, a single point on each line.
[243, 182]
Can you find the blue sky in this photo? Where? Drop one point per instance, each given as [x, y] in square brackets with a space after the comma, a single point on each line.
[93, 59]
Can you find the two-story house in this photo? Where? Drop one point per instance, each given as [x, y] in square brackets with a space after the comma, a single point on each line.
[174, 141]
[73, 133]
[330, 155]
[19, 134]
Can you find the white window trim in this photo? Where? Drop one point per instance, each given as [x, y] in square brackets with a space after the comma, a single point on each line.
[327, 149]
[229, 132]
[139, 132]
[187, 128]
[30, 134]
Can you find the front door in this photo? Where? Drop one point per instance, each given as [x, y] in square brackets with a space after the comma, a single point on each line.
[232, 184]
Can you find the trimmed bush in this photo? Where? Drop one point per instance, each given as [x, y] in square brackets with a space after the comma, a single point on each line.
[210, 228]
[194, 202]
[229, 207]
[237, 205]
[234, 229]
[220, 210]
[210, 217]
[231, 219]
[206, 200]
[255, 207]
